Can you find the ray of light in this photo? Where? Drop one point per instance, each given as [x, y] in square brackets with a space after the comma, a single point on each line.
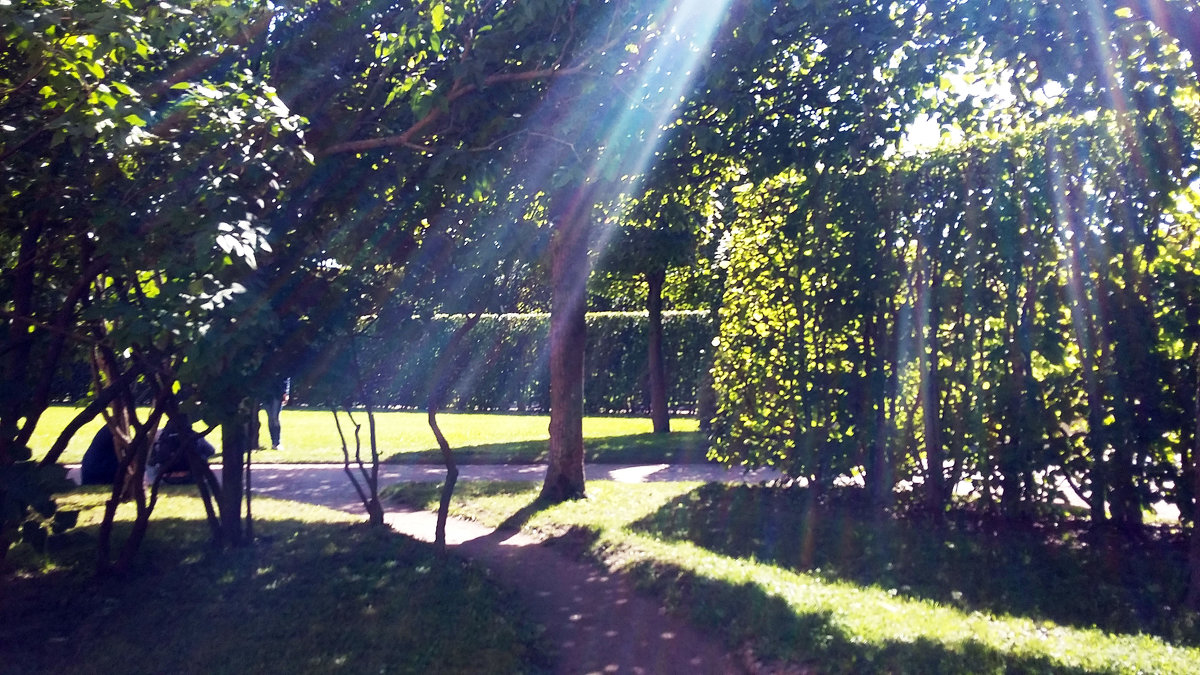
[628, 130]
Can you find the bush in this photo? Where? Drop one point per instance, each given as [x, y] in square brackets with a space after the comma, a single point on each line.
[505, 362]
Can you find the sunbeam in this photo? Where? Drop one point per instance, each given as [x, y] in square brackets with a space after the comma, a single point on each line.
[606, 133]
[635, 136]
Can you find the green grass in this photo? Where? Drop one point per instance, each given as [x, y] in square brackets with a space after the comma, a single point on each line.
[405, 437]
[834, 589]
[317, 593]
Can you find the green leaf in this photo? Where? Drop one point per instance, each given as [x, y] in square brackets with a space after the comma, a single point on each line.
[438, 17]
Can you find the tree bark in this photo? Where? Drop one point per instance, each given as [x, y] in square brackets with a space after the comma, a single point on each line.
[569, 269]
[1193, 596]
[929, 309]
[443, 514]
[235, 441]
[368, 488]
[879, 475]
[447, 372]
[16, 351]
[128, 484]
[659, 415]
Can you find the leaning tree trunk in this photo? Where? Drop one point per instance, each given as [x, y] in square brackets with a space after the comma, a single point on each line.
[568, 336]
[659, 415]
[447, 372]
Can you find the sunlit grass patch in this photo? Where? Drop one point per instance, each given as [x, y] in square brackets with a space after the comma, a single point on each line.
[816, 618]
[311, 436]
[965, 558]
[317, 593]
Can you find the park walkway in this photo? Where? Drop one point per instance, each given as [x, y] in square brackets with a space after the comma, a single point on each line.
[595, 622]
[327, 484]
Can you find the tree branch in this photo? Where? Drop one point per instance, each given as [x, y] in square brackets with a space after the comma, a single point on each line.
[200, 64]
[407, 138]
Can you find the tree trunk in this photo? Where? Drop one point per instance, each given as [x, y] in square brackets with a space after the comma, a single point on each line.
[659, 415]
[443, 514]
[19, 344]
[1193, 595]
[568, 335]
[235, 441]
[931, 391]
[366, 482]
[128, 484]
[877, 483]
[447, 372]
[1084, 325]
[374, 506]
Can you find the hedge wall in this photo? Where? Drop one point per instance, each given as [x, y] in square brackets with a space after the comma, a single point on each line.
[505, 362]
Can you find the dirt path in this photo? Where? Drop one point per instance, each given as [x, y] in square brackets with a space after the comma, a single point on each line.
[594, 621]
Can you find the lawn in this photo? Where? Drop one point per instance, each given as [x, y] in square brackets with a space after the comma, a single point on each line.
[318, 593]
[828, 586]
[404, 437]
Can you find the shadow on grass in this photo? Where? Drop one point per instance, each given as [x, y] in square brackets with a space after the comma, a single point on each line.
[681, 447]
[307, 597]
[426, 496]
[517, 520]
[746, 614]
[1039, 571]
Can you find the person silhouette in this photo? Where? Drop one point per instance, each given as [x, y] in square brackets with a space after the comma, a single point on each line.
[274, 405]
[100, 462]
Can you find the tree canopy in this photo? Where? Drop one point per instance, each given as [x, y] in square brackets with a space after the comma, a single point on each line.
[205, 195]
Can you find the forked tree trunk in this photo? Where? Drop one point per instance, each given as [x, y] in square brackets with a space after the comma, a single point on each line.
[366, 481]
[128, 484]
[659, 416]
[568, 335]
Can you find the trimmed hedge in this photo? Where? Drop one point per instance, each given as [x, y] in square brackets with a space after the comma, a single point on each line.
[505, 362]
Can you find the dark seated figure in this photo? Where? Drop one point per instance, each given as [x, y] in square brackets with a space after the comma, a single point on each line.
[100, 461]
[169, 456]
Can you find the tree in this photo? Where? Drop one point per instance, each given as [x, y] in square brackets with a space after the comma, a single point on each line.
[648, 253]
[999, 307]
[92, 201]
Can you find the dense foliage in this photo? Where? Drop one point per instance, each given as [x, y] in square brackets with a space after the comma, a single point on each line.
[203, 196]
[1019, 312]
[506, 363]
